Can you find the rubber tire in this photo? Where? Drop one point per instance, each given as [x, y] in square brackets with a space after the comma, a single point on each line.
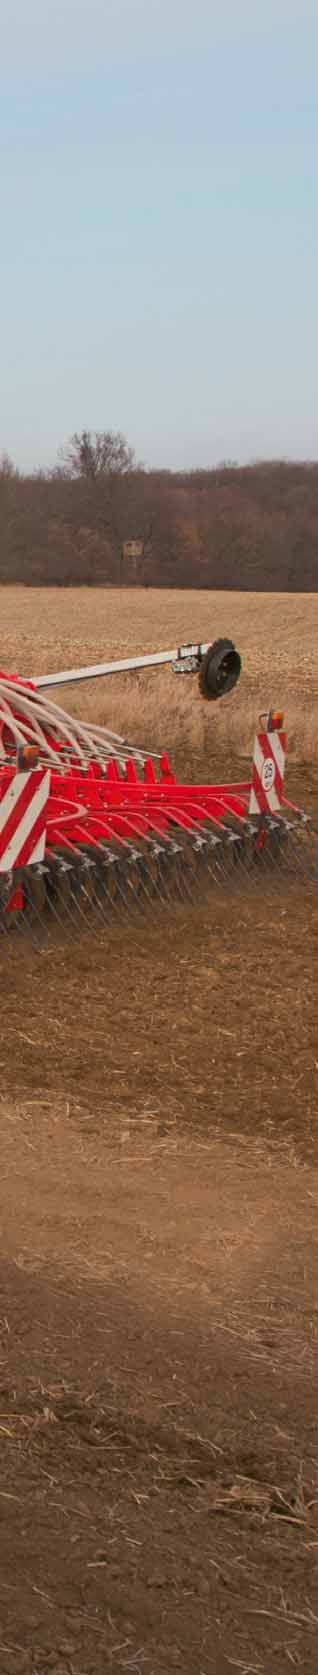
[212, 684]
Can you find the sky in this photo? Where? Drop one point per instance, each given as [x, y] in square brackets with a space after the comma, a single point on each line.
[159, 221]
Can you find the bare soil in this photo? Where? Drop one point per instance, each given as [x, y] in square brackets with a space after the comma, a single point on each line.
[159, 1297]
[158, 1204]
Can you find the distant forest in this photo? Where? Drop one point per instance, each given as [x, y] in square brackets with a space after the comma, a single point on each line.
[253, 527]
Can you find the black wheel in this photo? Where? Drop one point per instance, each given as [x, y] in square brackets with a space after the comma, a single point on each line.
[220, 670]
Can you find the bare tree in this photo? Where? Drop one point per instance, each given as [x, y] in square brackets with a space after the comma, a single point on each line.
[7, 469]
[95, 454]
[252, 527]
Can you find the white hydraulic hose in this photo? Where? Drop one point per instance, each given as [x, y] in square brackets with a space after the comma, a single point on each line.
[32, 718]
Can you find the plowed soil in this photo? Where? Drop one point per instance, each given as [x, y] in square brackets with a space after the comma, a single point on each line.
[159, 1293]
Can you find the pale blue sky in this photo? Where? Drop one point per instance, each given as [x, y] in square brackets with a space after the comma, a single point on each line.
[159, 218]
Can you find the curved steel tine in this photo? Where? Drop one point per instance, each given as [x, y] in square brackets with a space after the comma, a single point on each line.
[104, 904]
[285, 856]
[111, 865]
[5, 915]
[165, 867]
[312, 840]
[59, 870]
[237, 870]
[84, 898]
[258, 857]
[165, 855]
[306, 851]
[133, 873]
[199, 854]
[148, 886]
[217, 872]
[33, 920]
[185, 880]
[127, 894]
[151, 874]
[23, 920]
[7, 888]
[175, 876]
[151, 883]
[223, 849]
[95, 916]
[81, 914]
[155, 872]
[197, 871]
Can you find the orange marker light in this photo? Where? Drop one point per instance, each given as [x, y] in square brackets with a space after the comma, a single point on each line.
[272, 719]
[28, 756]
[276, 719]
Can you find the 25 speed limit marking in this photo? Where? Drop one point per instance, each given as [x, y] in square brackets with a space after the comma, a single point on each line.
[268, 774]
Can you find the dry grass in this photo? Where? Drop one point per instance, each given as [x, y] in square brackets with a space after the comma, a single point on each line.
[45, 630]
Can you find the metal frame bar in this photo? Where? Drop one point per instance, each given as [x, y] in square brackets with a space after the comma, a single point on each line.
[122, 666]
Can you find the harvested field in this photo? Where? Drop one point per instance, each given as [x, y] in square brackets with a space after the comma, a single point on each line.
[45, 630]
[158, 1204]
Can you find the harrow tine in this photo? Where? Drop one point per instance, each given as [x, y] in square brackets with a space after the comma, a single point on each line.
[6, 918]
[107, 898]
[289, 853]
[80, 889]
[81, 895]
[257, 855]
[32, 919]
[134, 879]
[155, 875]
[59, 893]
[112, 891]
[156, 879]
[275, 852]
[129, 880]
[108, 895]
[150, 862]
[308, 840]
[166, 871]
[169, 870]
[303, 844]
[198, 867]
[199, 857]
[288, 857]
[266, 855]
[218, 860]
[236, 869]
[17, 919]
[179, 872]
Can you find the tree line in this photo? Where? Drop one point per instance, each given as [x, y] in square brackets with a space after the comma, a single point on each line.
[253, 527]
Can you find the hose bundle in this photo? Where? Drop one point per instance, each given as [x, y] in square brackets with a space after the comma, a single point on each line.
[28, 717]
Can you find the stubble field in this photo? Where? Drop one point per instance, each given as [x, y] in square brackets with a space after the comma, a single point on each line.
[158, 1203]
[52, 629]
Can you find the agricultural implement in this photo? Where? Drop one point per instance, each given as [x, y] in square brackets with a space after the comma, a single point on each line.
[89, 822]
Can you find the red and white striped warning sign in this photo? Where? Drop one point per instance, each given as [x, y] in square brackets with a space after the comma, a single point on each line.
[268, 773]
[23, 813]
